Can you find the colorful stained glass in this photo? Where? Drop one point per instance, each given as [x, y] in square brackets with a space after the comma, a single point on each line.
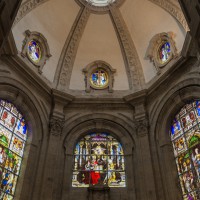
[98, 159]
[99, 78]
[13, 134]
[34, 51]
[185, 136]
[164, 52]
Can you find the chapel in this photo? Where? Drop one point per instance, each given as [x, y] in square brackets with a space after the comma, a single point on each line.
[99, 100]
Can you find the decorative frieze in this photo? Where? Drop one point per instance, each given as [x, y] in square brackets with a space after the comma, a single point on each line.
[133, 65]
[173, 10]
[56, 126]
[142, 127]
[70, 50]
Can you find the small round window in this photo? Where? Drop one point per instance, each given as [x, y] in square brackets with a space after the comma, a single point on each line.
[164, 52]
[100, 3]
[99, 78]
[34, 51]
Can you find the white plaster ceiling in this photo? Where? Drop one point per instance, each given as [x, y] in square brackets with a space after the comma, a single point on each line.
[55, 18]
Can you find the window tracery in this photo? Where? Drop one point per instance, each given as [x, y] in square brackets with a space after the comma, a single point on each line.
[13, 135]
[98, 160]
[185, 137]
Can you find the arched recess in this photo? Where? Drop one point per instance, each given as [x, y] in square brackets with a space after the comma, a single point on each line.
[164, 161]
[28, 185]
[117, 128]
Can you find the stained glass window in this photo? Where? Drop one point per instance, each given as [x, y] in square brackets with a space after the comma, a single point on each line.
[100, 2]
[34, 51]
[13, 134]
[185, 136]
[98, 160]
[164, 52]
[99, 78]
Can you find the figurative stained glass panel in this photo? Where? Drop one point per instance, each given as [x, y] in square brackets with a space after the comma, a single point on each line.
[98, 160]
[34, 51]
[164, 52]
[13, 134]
[99, 78]
[185, 136]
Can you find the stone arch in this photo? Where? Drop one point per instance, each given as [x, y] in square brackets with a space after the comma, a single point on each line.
[166, 109]
[78, 128]
[26, 102]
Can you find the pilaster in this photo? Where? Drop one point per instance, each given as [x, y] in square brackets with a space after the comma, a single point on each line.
[55, 149]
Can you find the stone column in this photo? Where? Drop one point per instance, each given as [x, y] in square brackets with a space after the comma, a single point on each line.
[169, 172]
[55, 152]
[145, 170]
[56, 125]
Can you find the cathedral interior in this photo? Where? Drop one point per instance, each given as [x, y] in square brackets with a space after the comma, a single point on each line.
[99, 99]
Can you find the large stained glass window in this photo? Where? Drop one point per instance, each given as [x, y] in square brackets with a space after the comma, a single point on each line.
[13, 134]
[185, 136]
[98, 160]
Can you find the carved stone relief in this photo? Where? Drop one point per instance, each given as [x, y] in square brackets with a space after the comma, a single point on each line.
[173, 10]
[56, 126]
[64, 71]
[132, 62]
[26, 7]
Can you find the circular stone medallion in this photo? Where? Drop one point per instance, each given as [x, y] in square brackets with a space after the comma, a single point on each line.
[99, 79]
[34, 51]
[164, 52]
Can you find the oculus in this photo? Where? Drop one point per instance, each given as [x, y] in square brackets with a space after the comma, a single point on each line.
[100, 2]
[36, 49]
[99, 78]
[162, 50]
[185, 137]
[99, 75]
[13, 136]
[98, 160]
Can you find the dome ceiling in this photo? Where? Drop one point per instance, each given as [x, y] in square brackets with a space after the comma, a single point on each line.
[120, 36]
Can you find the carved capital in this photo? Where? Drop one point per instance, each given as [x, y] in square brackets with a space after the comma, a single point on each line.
[56, 126]
[142, 127]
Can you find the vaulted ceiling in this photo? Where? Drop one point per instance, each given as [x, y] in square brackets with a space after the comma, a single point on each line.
[98, 38]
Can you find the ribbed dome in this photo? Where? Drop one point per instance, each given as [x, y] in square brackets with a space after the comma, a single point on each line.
[119, 36]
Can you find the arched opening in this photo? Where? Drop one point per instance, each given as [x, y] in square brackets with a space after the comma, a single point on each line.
[185, 138]
[13, 136]
[98, 160]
